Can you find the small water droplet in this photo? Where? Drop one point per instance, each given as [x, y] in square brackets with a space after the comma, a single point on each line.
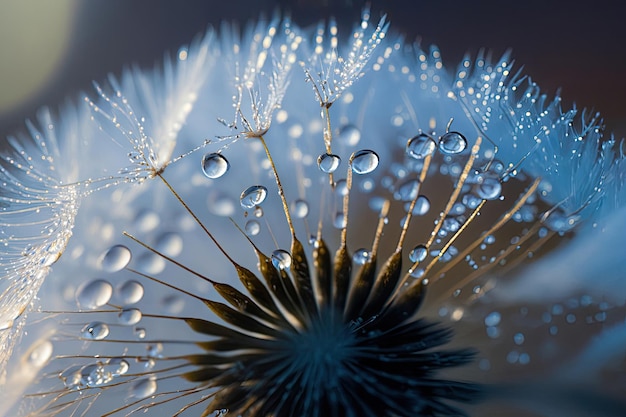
[150, 263]
[493, 319]
[71, 376]
[281, 259]
[253, 196]
[451, 224]
[129, 316]
[364, 161]
[252, 227]
[340, 221]
[147, 220]
[471, 201]
[328, 163]
[94, 294]
[420, 146]
[452, 143]
[116, 258]
[214, 165]
[140, 332]
[144, 387]
[130, 292]
[95, 330]
[489, 188]
[349, 135]
[408, 190]
[361, 256]
[418, 253]
[422, 205]
[299, 208]
[118, 366]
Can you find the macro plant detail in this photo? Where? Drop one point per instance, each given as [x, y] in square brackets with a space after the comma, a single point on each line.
[284, 222]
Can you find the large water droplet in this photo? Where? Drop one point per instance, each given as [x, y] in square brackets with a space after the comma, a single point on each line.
[361, 256]
[129, 316]
[253, 196]
[118, 366]
[328, 163]
[214, 165]
[364, 161]
[94, 294]
[489, 188]
[422, 205]
[144, 387]
[349, 135]
[252, 227]
[116, 258]
[281, 259]
[420, 146]
[130, 292]
[95, 330]
[418, 254]
[299, 208]
[170, 243]
[452, 143]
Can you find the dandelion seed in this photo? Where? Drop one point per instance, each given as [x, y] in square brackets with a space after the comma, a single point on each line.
[365, 275]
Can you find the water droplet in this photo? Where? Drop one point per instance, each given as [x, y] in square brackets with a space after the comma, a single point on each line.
[361, 256]
[519, 338]
[557, 221]
[299, 208]
[471, 201]
[364, 161]
[420, 146]
[281, 259]
[408, 190]
[493, 319]
[490, 239]
[253, 196]
[341, 188]
[71, 376]
[94, 294]
[140, 332]
[144, 387]
[170, 244]
[95, 330]
[418, 254]
[340, 221]
[118, 366]
[452, 143]
[214, 165]
[328, 163]
[129, 316]
[220, 204]
[349, 135]
[150, 263]
[116, 258]
[451, 224]
[252, 227]
[489, 188]
[130, 292]
[38, 355]
[422, 205]
[147, 220]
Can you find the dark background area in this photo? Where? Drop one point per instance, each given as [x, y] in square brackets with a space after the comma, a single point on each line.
[577, 46]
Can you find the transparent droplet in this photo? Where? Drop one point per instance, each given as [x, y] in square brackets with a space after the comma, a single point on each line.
[118, 366]
[94, 294]
[140, 332]
[451, 224]
[341, 188]
[253, 196]
[116, 258]
[170, 244]
[299, 208]
[364, 161]
[493, 319]
[557, 221]
[340, 221]
[147, 220]
[38, 355]
[418, 253]
[349, 135]
[129, 316]
[214, 165]
[471, 201]
[408, 190]
[328, 163]
[257, 212]
[130, 292]
[452, 143]
[281, 259]
[489, 188]
[71, 376]
[420, 146]
[144, 387]
[422, 205]
[95, 330]
[252, 227]
[361, 256]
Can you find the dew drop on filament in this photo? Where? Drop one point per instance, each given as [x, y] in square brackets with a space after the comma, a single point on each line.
[281, 259]
[452, 143]
[328, 163]
[144, 387]
[95, 331]
[349, 135]
[116, 258]
[361, 256]
[252, 227]
[489, 188]
[253, 196]
[418, 254]
[94, 294]
[364, 161]
[214, 165]
[130, 292]
[420, 146]
[299, 209]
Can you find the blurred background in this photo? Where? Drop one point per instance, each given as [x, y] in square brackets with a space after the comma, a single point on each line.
[52, 50]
